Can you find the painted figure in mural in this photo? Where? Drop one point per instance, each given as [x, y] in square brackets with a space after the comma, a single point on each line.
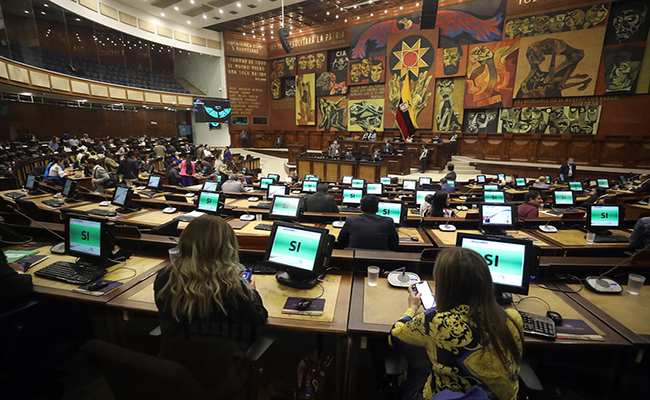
[304, 90]
[302, 62]
[628, 20]
[451, 58]
[447, 118]
[595, 15]
[564, 59]
[376, 71]
[275, 88]
[291, 63]
[376, 37]
[355, 71]
[320, 60]
[477, 121]
[366, 115]
[311, 61]
[453, 23]
[486, 74]
[333, 116]
[623, 74]
[365, 68]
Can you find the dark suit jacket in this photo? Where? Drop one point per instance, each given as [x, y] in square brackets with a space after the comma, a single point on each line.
[564, 171]
[369, 231]
[14, 287]
[129, 168]
[451, 176]
[321, 202]
[644, 188]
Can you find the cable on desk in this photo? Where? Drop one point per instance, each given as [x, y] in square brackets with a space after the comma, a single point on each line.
[17, 243]
[514, 303]
[582, 285]
[128, 277]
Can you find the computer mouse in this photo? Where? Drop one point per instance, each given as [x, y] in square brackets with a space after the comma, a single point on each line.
[104, 203]
[253, 198]
[555, 316]
[246, 217]
[97, 285]
[169, 210]
[415, 239]
[303, 304]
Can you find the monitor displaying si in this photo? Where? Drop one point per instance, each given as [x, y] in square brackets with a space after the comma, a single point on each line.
[286, 207]
[155, 182]
[490, 187]
[421, 194]
[548, 179]
[212, 110]
[451, 183]
[495, 196]
[265, 182]
[347, 179]
[69, 188]
[210, 202]
[424, 180]
[575, 186]
[89, 238]
[393, 209]
[210, 186]
[501, 178]
[308, 176]
[564, 198]
[358, 183]
[275, 177]
[122, 196]
[302, 253]
[385, 180]
[375, 188]
[511, 262]
[520, 182]
[352, 196]
[409, 184]
[30, 183]
[313, 178]
[274, 189]
[603, 217]
[309, 186]
[480, 179]
[495, 218]
[603, 183]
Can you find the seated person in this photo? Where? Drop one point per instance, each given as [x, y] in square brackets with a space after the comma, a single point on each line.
[469, 338]
[541, 183]
[437, 205]
[530, 207]
[15, 286]
[640, 238]
[208, 328]
[644, 186]
[369, 230]
[174, 174]
[451, 175]
[321, 201]
[376, 156]
[446, 187]
[232, 184]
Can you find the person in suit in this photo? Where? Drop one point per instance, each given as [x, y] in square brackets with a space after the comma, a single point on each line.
[568, 171]
[451, 175]
[424, 158]
[446, 187]
[321, 201]
[233, 184]
[644, 187]
[389, 147]
[99, 176]
[15, 285]
[334, 149]
[129, 168]
[640, 237]
[369, 230]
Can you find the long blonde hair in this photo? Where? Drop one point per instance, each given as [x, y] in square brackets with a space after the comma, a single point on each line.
[207, 271]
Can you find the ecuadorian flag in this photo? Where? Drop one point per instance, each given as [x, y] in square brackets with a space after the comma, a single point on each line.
[405, 115]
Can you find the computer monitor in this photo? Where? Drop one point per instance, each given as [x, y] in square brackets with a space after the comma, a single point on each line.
[603, 183]
[490, 187]
[313, 178]
[286, 207]
[548, 179]
[393, 209]
[424, 180]
[480, 179]
[122, 197]
[385, 180]
[265, 182]
[358, 183]
[494, 196]
[501, 178]
[421, 194]
[375, 188]
[352, 196]
[155, 182]
[309, 186]
[31, 184]
[69, 188]
[575, 186]
[520, 182]
[451, 183]
[600, 218]
[301, 253]
[409, 184]
[623, 179]
[347, 179]
[307, 176]
[511, 262]
[151, 168]
[210, 202]
[210, 186]
[275, 177]
[564, 198]
[274, 189]
[495, 218]
[89, 238]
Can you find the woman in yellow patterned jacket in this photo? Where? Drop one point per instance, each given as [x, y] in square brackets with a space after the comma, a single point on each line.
[469, 339]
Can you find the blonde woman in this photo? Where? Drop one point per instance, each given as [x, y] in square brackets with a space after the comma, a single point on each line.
[208, 314]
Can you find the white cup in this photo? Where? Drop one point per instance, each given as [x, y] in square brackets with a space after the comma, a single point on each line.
[634, 283]
[258, 217]
[590, 237]
[174, 252]
[373, 275]
[474, 206]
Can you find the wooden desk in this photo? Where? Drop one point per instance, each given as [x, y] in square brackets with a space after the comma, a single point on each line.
[636, 211]
[331, 170]
[405, 234]
[448, 239]
[573, 239]
[337, 302]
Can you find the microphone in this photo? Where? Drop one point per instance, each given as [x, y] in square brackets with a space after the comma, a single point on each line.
[600, 284]
[462, 205]
[58, 248]
[401, 278]
[644, 201]
[600, 198]
[106, 202]
[189, 193]
[169, 209]
[550, 228]
[447, 227]
[246, 216]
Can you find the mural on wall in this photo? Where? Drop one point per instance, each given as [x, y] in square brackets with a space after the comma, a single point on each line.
[628, 22]
[559, 21]
[411, 55]
[449, 104]
[556, 120]
[289, 87]
[619, 71]
[335, 80]
[490, 74]
[313, 62]
[559, 65]
[282, 68]
[479, 21]
[332, 113]
[367, 71]
[365, 115]
[481, 121]
[370, 40]
[452, 61]
[305, 100]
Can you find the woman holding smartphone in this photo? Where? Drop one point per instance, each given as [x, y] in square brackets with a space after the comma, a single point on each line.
[469, 339]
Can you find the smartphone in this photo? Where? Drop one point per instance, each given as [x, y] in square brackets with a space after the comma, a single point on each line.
[428, 300]
[246, 274]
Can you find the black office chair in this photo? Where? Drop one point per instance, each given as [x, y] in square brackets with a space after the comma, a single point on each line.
[30, 209]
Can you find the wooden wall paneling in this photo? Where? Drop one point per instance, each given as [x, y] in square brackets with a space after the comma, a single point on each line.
[331, 172]
[548, 149]
[290, 138]
[496, 148]
[611, 152]
[367, 172]
[318, 168]
[302, 138]
[314, 140]
[345, 169]
[469, 145]
[521, 147]
[641, 150]
[304, 166]
[580, 148]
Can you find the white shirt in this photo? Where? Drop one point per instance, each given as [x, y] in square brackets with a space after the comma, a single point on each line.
[55, 170]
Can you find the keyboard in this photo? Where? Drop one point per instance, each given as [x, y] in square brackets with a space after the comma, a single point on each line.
[258, 265]
[264, 227]
[266, 206]
[610, 239]
[349, 209]
[189, 217]
[415, 211]
[78, 274]
[15, 195]
[101, 213]
[538, 325]
[53, 203]
[146, 193]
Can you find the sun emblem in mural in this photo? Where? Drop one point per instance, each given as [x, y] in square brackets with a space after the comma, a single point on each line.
[412, 54]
